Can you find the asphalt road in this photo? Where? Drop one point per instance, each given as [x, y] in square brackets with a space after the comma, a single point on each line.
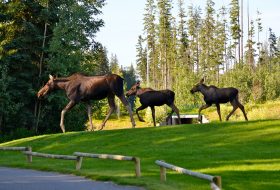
[24, 179]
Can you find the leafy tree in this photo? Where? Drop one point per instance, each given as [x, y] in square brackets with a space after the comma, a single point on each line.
[38, 38]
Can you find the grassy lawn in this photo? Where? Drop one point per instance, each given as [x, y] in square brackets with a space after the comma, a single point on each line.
[245, 154]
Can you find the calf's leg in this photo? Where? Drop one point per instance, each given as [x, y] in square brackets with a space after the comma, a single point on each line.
[153, 115]
[139, 109]
[200, 109]
[176, 110]
[242, 109]
[235, 106]
[219, 111]
[70, 105]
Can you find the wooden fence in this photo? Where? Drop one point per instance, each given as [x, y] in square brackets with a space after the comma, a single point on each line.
[29, 155]
[15, 148]
[215, 181]
[78, 157]
[113, 157]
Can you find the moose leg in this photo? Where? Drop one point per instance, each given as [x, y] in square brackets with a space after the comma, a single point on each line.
[68, 107]
[242, 109]
[90, 116]
[176, 110]
[128, 108]
[153, 115]
[138, 109]
[219, 111]
[111, 101]
[200, 109]
[235, 106]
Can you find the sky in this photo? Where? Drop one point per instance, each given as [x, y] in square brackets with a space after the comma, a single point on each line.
[124, 23]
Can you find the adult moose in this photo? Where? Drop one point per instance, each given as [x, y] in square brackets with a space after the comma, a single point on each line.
[217, 96]
[151, 98]
[81, 88]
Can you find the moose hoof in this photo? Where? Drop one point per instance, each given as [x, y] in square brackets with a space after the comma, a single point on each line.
[142, 120]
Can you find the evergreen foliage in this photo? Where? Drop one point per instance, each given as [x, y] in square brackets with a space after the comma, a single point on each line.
[191, 46]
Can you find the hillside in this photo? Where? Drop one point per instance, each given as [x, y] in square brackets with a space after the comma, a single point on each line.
[245, 154]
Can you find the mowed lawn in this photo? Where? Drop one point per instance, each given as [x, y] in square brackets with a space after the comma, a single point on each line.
[245, 154]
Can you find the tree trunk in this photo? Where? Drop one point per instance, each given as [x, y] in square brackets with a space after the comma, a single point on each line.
[37, 109]
[241, 18]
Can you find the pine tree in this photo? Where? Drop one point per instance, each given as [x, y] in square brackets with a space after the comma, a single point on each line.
[194, 25]
[114, 65]
[220, 44]
[165, 39]
[183, 56]
[141, 60]
[235, 27]
[207, 32]
[99, 63]
[273, 51]
[250, 53]
[259, 30]
[150, 32]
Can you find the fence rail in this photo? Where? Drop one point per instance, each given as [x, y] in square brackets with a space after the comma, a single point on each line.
[215, 184]
[14, 148]
[29, 155]
[113, 157]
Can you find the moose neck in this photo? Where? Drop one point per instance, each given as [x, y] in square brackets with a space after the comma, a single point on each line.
[61, 83]
[203, 89]
[141, 91]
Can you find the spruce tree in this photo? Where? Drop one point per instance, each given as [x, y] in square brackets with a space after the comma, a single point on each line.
[235, 28]
[165, 36]
[150, 37]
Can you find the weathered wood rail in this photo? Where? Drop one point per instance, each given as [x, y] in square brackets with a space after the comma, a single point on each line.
[29, 155]
[215, 181]
[136, 160]
[14, 148]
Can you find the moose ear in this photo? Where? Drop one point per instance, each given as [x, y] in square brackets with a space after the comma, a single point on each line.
[202, 81]
[51, 77]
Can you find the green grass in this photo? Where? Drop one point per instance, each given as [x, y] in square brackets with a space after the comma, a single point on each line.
[245, 154]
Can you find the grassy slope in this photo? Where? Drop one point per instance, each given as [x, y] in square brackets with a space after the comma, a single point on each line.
[245, 154]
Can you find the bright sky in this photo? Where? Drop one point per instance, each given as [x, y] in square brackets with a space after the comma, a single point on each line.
[124, 23]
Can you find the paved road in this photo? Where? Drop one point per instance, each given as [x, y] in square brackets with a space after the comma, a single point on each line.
[23, 179]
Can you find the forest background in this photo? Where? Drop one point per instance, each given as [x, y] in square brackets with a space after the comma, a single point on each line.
[43, 37]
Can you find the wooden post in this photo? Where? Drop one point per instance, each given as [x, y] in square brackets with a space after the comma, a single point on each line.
[29, 156]
[79, 162]
[162, 173]
[137, 167]
[218, 181]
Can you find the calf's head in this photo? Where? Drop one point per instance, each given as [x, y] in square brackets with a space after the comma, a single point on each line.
[196, 88]
[133, 89]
